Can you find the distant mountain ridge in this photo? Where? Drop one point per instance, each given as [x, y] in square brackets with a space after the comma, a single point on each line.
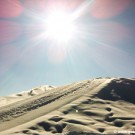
[35, 91]
[24, 94]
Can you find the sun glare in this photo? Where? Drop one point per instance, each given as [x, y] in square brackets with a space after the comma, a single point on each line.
[60, 26]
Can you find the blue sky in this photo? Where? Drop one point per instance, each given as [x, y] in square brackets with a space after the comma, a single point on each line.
[103, 47]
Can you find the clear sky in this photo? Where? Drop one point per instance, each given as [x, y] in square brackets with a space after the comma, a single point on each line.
[103, 44]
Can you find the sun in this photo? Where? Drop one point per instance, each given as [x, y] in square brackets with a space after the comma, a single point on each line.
[60, 26]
